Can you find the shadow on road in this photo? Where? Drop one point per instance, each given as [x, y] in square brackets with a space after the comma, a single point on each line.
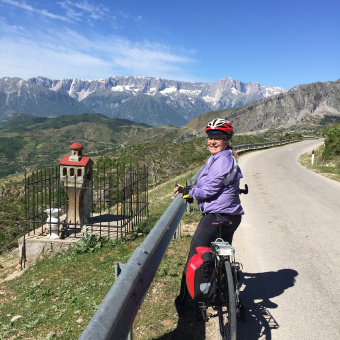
[188, 327]
[258, 289]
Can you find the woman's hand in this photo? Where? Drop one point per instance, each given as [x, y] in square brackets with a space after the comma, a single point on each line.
[176, 190]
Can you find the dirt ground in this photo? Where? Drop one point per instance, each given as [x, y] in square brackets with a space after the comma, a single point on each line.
[10, 265]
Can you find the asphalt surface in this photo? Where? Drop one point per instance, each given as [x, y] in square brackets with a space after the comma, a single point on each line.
[289, 245]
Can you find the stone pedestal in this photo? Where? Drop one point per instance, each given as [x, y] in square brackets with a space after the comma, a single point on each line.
[76, 173]
[76, 212]
[52, 222]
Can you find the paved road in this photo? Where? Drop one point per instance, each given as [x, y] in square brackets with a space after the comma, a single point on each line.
[289, 244]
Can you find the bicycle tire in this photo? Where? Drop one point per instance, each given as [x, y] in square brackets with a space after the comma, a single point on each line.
[227, 311]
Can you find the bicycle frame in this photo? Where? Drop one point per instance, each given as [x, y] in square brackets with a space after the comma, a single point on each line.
[227, 286]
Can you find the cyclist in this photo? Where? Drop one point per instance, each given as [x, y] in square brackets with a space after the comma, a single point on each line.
[217, 192]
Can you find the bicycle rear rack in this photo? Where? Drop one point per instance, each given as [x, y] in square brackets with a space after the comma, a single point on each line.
[223, 248]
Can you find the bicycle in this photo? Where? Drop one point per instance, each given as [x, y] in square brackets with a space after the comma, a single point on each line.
[227, 302]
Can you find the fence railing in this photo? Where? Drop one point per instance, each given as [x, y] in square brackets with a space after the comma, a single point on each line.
[116, 200]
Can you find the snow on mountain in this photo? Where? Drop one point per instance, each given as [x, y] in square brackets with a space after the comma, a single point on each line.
[20, 96]
[209, 92]
[156, 101]
[116, 96]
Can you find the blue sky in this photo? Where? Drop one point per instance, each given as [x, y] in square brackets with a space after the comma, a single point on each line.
[275, 43]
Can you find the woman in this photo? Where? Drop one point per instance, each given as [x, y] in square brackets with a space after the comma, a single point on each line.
[217, 192]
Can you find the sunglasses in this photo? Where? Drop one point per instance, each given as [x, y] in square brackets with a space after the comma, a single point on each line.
[216, 139]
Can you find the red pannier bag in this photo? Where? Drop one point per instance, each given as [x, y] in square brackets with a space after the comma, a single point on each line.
[201, 276]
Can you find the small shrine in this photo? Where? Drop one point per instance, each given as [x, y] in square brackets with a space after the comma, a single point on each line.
[76, 172]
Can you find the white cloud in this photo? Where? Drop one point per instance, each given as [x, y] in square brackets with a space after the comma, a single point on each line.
[146, 57]
[84, 8]
[65, 53]
[78, 10]
[29, 8]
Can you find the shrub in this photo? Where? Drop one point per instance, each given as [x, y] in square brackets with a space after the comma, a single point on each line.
[88, 242]
[332, 141]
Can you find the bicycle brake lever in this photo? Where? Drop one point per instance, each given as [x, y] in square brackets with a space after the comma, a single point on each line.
[245, 190]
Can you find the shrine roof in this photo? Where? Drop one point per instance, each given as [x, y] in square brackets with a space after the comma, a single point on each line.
[83, 161]
[76, 146]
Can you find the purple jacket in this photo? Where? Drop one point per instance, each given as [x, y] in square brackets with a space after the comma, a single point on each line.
[217, 188]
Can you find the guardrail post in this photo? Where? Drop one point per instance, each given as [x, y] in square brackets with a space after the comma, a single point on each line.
[188, 184]
[177, 233]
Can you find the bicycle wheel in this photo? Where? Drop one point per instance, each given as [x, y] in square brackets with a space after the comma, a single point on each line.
[227, 304]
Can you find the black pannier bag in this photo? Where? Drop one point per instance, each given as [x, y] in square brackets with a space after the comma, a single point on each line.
[201, 276]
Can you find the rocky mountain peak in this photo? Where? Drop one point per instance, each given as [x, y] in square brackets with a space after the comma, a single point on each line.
[150, 100]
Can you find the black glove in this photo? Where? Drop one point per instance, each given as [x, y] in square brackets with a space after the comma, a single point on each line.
[185, 192]
[188, 199]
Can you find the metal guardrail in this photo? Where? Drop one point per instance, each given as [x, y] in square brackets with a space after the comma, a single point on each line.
[115, 315]
[249, 147]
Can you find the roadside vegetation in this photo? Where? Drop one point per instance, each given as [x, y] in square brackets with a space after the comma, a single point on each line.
[327, 157]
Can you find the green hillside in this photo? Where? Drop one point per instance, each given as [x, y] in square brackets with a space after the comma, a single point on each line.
[22, 122]
[30, 143]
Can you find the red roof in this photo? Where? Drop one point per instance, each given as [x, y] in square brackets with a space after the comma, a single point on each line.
[76, 146]
[83, 161]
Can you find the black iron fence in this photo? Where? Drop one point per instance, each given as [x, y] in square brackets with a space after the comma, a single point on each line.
[110, 203]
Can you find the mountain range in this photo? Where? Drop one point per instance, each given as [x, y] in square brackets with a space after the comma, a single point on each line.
[156, 102]
[148, 100]
[304, 106]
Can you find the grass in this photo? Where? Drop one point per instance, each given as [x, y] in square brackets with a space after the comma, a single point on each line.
[156, 318]
[327, 167]
[55, 298]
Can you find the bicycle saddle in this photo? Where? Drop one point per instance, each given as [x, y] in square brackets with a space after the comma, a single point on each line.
[222, 220]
